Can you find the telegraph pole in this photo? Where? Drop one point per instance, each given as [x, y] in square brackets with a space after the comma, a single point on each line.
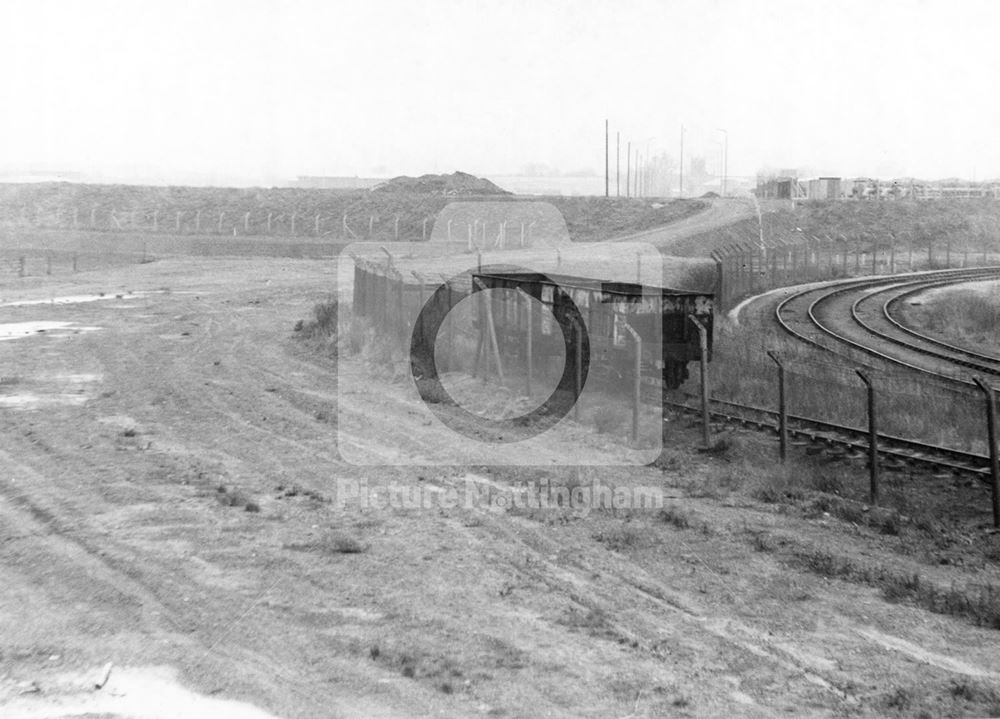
[606, 168]
[628, 170]
[618, 164]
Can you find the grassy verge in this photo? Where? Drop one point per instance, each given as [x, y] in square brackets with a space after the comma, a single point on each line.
[966, 317]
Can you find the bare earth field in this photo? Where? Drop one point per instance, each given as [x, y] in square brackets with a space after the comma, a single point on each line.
[169, 504]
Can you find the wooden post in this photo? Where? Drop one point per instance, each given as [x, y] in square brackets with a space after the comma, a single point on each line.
[246, 223]
[706, 428]
[873, 490]
[947, 255]
[636, 379]
[316, 226]
[293, 225]
[371, 225]
[396, 229]
[578, 371]
[269, 216]
[991, 429]
[529, 360]
[782, 408]
[874, 255]
[221, 217]
[493, 333]
[177, 221]
[93, 219]
[197, 221]
[423, 231]
[451, 326]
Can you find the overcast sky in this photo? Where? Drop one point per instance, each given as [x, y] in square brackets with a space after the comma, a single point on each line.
[259, 91]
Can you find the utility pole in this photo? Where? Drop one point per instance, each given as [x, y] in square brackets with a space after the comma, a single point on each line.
[635, 189]
[618, 164]
[606, 168]
[628, 170]
[680, 183]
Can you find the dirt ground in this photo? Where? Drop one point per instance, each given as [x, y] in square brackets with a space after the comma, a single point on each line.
[169, 505]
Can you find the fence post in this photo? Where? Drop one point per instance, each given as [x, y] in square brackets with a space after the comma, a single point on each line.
[892, 254]
[93, 221]
[450, 329]
[874, 254]
[423, 231]
[246, 223]
[706, 428]
[991, 428]
[492, 332]
[578, 371]
[529, 361]
[782, 408]
[636, 379]
[221, 216]
[371, 226]
[293, 225]
[872, 438]
[197, 221]
[269, 215]
[720, 284]
[947, 252]
[177, 221]
[396, 229]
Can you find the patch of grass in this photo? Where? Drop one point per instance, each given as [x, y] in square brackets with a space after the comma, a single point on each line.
[343, 544]
[978, 604]
[672, 514]
[233, 497]
[323, 322]
[620, 538]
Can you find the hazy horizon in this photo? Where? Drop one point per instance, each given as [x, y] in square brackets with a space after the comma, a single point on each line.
[257, 92]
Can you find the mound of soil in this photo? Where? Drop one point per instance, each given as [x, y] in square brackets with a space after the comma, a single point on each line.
[457, 183]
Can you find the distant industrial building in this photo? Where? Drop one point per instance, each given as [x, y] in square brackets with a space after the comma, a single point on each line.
[789, 187]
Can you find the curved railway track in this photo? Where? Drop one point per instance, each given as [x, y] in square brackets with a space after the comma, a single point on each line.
[858, 320]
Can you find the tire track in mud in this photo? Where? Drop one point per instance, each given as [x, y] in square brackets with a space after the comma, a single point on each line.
[44, 512]
[596, 582]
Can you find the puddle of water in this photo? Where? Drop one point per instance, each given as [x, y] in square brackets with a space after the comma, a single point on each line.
[30, 400]
[78, 299]
[69, 390]
[135, 693]
[18, 330]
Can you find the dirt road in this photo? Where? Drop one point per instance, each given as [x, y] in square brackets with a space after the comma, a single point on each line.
[172, 500]
[668, 238]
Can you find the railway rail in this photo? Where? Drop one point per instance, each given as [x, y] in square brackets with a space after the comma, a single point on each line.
[845, 318]
[896, 453]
